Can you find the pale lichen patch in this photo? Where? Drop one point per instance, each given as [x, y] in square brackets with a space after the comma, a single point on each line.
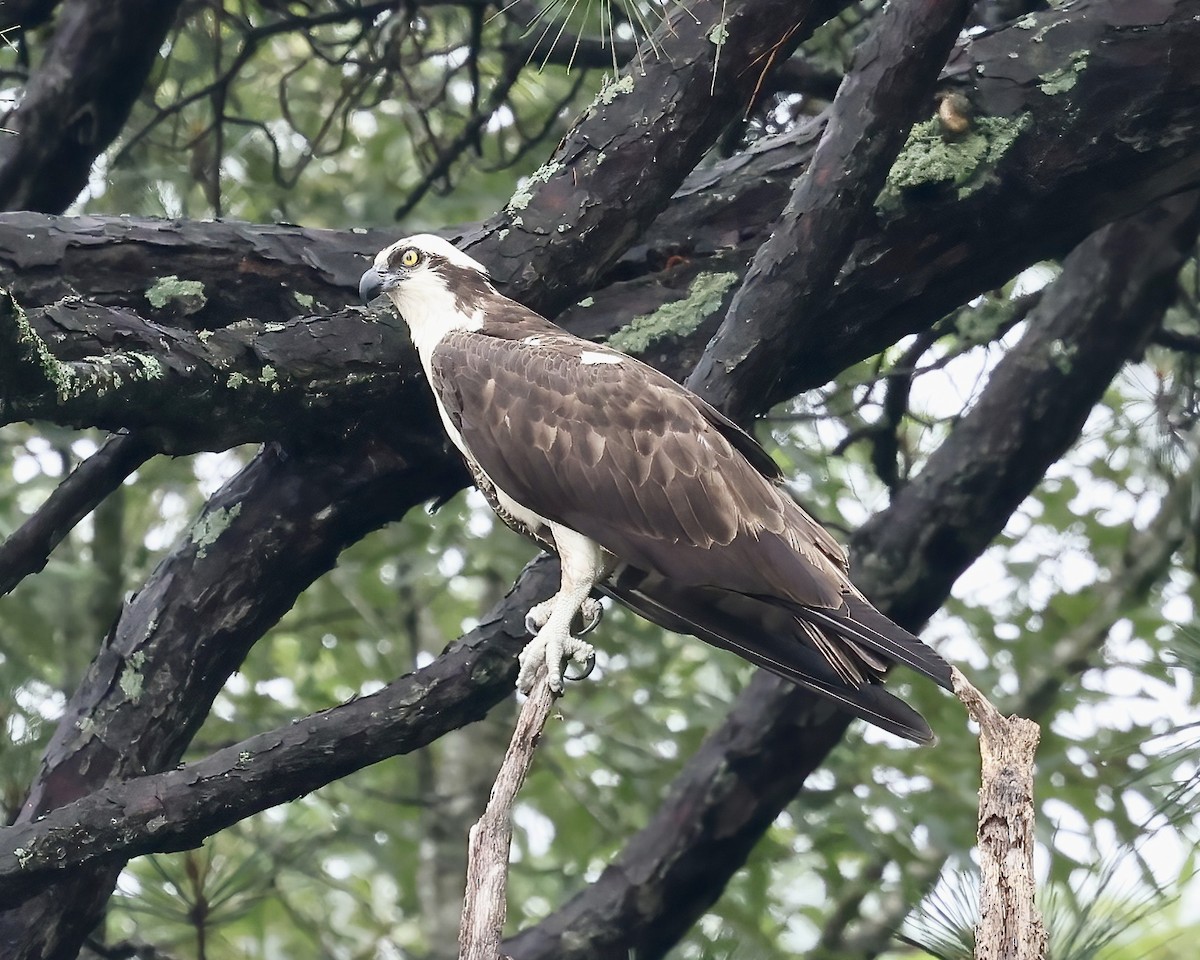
[1064, 78]
[131, 680]
[677, 318]
[610, 91]
[524, 193]
[188, 294]
[930, 157]
[208, 529]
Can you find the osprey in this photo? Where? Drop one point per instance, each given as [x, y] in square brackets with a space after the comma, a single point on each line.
[645, 491]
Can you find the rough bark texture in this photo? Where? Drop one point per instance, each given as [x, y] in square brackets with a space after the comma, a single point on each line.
[1095, 140]
[485, 905]
[78, 100]
[732, 789]
[888, 87]
[1010, 924]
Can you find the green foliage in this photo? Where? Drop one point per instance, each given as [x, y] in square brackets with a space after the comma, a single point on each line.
[334, 126]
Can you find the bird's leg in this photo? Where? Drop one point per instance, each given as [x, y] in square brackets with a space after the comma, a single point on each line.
[583, 563]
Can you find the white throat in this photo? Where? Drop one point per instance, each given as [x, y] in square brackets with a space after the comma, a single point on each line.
[429, 308]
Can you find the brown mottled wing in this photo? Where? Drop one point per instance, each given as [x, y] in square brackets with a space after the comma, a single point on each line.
[627, 457]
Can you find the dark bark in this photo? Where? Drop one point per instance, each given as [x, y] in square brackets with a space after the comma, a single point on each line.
[312, 379]
[889, 85]
[26, 14]
[179, 808]
[79, 98]
[1127, 131]
[619, 165]
[282, 521]
[27, 549]
[732, 789]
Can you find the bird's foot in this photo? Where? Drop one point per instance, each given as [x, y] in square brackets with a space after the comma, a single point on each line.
[554, 651]
[591, 611]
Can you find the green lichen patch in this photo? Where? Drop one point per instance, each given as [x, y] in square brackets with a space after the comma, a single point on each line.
[1064, 78]
[151, 368]
[304, 299]
[678, 318]
[718, 34]
[930, 157]
[236, 381]
[610, 91]
[1062, 355]
[524, 193]
[186, 296]
[131, 680]
[29, 364]
[208, 529]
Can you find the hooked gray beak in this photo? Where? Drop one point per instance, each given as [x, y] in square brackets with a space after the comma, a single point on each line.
[370, 286]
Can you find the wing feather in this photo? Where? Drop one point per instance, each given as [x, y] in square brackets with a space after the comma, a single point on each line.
[625, 456]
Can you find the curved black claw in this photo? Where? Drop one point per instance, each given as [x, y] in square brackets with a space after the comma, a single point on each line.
[588, 667]
[590, 622]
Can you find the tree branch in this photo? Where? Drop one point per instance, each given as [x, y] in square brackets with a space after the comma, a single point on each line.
[28, 548]
[177, 809]
[1010, 925]
[731, 790]
[484, 904]
[339, 495]
[889, 83]
[77, 101]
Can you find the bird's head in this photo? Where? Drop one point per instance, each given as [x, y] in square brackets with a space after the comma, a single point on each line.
[428, 279]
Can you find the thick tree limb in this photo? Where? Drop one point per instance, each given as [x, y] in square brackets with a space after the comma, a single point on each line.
[188, 390]
[77, 101]
[746, 771]
[651, 128]
[888, 87]
[931, 252]
[28, 548]
[179, 808]
[176, 669]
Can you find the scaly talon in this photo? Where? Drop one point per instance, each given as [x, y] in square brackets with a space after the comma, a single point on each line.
[537, 616]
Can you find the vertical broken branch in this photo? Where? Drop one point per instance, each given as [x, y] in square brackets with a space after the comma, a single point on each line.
[1010, 924]
[484, 905]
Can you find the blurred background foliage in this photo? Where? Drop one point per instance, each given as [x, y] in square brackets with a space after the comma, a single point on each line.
[311, 111]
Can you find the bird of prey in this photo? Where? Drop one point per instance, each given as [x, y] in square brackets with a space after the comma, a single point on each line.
[646, 492]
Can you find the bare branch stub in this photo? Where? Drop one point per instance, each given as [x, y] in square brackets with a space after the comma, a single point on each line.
[484, 906]
[1010, 924]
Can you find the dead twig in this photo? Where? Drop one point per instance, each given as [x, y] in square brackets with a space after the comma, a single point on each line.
[484, 905]
[1010, 924]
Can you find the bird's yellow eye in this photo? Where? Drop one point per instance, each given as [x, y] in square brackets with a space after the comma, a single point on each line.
[410, 257]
